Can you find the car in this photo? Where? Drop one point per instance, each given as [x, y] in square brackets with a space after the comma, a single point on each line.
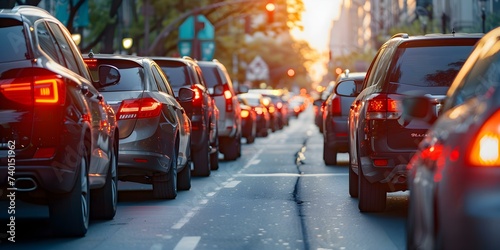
[453, 177]
[202, 111]
[335, 116]
[255, 101]
[58, 135]
[155, 131]
[279, 114]
[318, 105]
[381, 142]
[229, 123]
[248, 123]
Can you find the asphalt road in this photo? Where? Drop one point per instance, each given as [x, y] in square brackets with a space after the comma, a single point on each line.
[278, 195]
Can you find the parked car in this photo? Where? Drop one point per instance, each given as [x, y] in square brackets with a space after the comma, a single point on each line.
[229, 123]
[155, 131]
[454, 176]
[202, 110]
[248, 123]
[381, 142]
[319, 103]
[255, 101]
[335, 116]
[58, 136]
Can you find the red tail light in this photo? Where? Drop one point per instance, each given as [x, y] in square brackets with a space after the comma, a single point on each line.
[485, 149]
[91, 63]
[198, 97]
[139, 108]
[336, 106]
[40, 90]
[245, 113]
[228, 96]
[258, 110]
[380, 106]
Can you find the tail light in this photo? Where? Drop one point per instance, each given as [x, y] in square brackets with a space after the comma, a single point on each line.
[139, 108]
[198, 97]
[228, 96]
[336, 106]
[259, 110]
[91, 63]
[245, 113]
[380, 106]
[485, 149]
[38, 90]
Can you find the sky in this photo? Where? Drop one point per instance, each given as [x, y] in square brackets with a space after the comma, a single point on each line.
[317, 21]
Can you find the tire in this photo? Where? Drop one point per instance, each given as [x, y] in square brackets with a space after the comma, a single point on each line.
[372, 196]
[232, 148]
[353, 183]
[329, 155]
[201, 160]
[165, 185]
[69, 213]
[250, 139]
[184, 178]
[214, 157]
[104, 200]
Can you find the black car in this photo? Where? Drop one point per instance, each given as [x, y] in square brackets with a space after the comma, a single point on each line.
[58, 136]
[335, 116]
[155, 131]
[381, 140]
[202, 110]
[454, 176]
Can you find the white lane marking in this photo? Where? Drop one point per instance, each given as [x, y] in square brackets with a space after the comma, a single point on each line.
[210, 194]
[188, 243]
[232, 184]
[156, 246]
[290, 175]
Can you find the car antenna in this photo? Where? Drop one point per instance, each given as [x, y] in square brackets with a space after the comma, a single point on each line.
[453, 31]
[91, 54]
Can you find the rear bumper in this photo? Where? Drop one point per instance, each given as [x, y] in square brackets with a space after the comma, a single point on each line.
[140, 163]
[393, 173]
[336, 133]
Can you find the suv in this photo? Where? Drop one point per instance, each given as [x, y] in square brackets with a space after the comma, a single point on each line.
[229, 131]
[154, 129]
[334, 119]
[381, 140]
[58, 136]
[185, 72]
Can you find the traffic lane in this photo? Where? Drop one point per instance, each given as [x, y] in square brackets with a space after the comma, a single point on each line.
[332, 217]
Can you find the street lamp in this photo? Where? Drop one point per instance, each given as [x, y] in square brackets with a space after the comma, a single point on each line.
[127, 43]
[482, 5]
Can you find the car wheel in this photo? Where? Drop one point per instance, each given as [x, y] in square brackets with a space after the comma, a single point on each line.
[201, 161]
[353, 183]
[184, 177]
[165, 185]
[69, 213]
[250, 139]
[372, 196]
[231, 147]
[104, 200]
[329, 155]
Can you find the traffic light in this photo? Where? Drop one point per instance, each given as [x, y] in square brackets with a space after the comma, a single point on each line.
[270, 8]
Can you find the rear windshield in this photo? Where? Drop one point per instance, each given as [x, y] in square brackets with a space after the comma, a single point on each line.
[13, 42]
[429, 66]
[211, 76]
[131, 76]
[177, 76]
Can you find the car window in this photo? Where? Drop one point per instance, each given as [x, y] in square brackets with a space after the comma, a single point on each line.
[65, 48]
[47, 43]
[131, 76]
[160, 81]
[428, 66]
[165, 84]
[176, 75]
[14, 43]
[482, 78]
[211, 76]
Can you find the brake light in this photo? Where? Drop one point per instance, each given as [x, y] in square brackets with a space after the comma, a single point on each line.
[245, 113]
[139, 108]
[485, 149]
[91, 63]
[380, 106]
[229, 98]
[197, 100]
[258, 110]
[41, 90]
[336, 106]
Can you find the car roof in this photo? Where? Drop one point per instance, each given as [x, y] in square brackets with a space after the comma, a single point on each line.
[136, 59]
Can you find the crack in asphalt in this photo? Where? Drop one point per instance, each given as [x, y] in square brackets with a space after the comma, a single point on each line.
[299, 160]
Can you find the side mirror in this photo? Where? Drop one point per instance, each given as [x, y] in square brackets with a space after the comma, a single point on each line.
[218, 90]
[108, 75]
[185, 95]
[346, 88]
